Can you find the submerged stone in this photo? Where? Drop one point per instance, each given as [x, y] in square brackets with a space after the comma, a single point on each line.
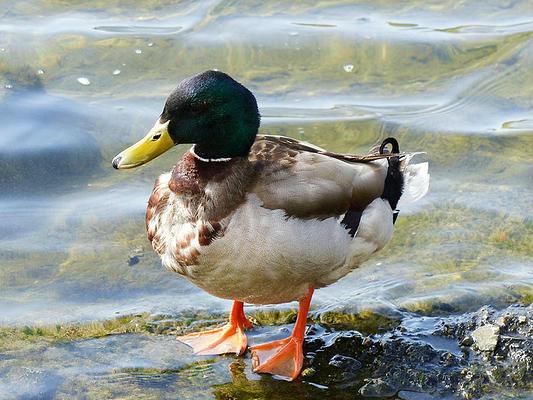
[133, 260]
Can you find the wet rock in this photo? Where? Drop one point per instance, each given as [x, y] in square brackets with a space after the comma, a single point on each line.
[485, 313]
[377, 388]
[503, 321]
[467, 341]
[346, 370]
[345, 363]
[426, 358]
[486, 337]
[408, 395]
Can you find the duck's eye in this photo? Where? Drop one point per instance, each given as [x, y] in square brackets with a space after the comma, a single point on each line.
[198, 108]
[156, 137]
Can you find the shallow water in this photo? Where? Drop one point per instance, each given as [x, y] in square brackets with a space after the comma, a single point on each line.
[81, 82]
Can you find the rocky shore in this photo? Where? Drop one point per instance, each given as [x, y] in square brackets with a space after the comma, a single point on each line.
[485, 353]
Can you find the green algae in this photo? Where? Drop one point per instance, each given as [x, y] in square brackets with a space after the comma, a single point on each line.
[526, 294]
[473, 244]
[273, 316]
[501, 235]
[366, 321]
[19, 337]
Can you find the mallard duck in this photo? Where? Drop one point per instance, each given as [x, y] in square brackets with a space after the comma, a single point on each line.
[262, 219]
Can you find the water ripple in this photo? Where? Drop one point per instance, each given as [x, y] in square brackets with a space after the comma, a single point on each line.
[139, 29]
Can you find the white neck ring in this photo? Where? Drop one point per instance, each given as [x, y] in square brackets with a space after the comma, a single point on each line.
[207, 159]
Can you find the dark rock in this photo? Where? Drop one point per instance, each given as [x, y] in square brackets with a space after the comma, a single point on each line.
[377, 388]
[133, 260]
[408, 395]
[345, 363]
[467, 341]
[135, 256]
[346, 371]
[429, 361]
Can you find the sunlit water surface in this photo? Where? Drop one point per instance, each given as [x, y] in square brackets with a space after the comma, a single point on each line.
[81, 82]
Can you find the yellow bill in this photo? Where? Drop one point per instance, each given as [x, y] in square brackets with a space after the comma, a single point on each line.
[155, 143]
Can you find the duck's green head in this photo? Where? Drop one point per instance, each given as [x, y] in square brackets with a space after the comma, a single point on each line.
[210, 110]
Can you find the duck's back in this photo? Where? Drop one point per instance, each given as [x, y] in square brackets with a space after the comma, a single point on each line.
[307, 182]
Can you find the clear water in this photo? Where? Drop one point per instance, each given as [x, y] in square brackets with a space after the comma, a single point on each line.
[454, 79]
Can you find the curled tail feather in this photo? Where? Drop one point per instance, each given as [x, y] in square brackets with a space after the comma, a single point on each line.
[405, 182]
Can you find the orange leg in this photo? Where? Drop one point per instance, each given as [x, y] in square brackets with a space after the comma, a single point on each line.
[228, 339]
[284, 357]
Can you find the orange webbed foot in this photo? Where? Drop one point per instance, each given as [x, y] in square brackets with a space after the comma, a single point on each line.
[228, 339]
[281, 357]
[284, 357]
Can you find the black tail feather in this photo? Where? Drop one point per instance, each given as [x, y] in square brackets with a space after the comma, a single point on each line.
[394, 181]
[392, 190]
[392, 141]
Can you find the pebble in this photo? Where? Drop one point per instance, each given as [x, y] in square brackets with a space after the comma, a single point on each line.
[348, 68]
[138, 51]
[486, 337]
[116, 72]
[503, 320]
[84, 81]
[133, 260]
[308, 372]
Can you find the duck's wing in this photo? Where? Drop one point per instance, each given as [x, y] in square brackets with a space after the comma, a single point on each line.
[268, 143]
[309, 182]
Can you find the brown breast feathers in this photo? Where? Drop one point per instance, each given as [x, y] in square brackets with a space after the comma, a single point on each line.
[209, 191]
